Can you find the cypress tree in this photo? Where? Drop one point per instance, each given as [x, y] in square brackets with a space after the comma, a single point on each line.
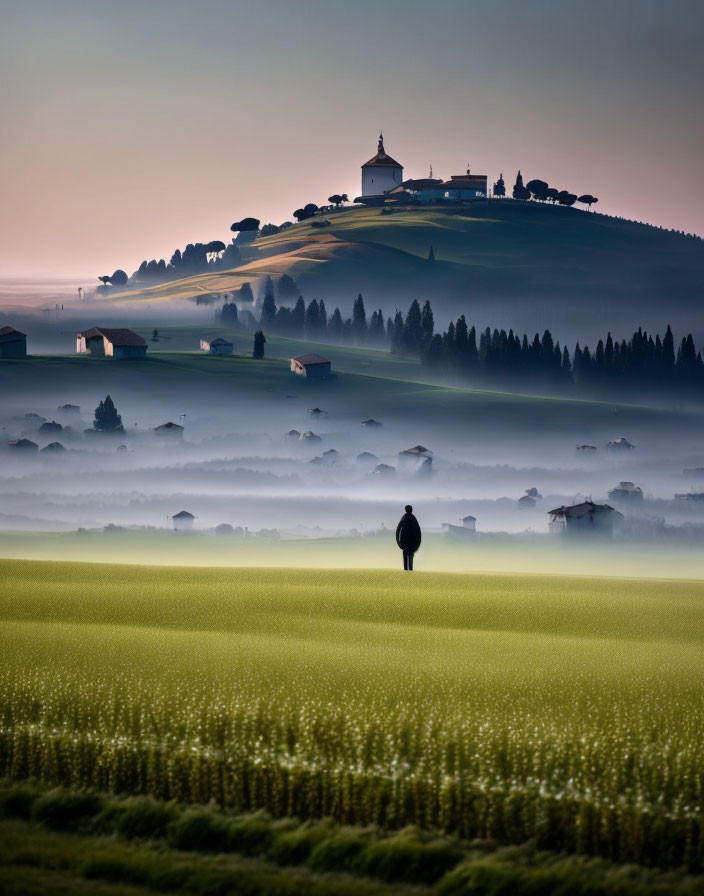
[298, 317]
[359, 320]
[432, 357]
[461, 345]
[106, 417]
[335, 326]
[258, 346]
[412, 329]
[566, 367]
[322, 319]
[397, 333]
[312, 320]
[268, 314]
[427, 323]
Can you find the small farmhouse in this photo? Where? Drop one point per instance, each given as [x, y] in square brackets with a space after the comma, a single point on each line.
[467, 530]
[217, 346]
[418, 452]
[311, 366]
[182, 521]
[459, 188]
[626, 491]
[370, 423]
[119, 343]
[585, 517]
[621, 444]
[169, 430]
[50, 427]
[13, 344]
[26, 446]
[53, 448]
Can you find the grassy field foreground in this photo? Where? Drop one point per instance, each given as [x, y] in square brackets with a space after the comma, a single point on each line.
[564, 710]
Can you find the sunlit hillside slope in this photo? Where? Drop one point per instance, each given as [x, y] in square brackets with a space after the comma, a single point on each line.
[502, 263]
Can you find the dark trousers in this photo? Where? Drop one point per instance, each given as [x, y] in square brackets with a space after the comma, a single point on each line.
[408, 560]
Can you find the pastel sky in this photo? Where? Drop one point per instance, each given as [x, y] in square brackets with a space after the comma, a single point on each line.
[130, 128]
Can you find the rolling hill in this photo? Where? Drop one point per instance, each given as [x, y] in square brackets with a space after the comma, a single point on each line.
[502, 263]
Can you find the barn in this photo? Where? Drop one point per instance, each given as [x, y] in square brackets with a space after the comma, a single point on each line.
[13, 344]
[585, 517]
[24, 445]
[169, 430]
[217, 346]
[311, 366]
[111, 342]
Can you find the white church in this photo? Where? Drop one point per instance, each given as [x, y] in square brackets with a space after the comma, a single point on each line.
[383, 183]
[381, 173]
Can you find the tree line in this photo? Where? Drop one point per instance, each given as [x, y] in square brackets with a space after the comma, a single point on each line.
[310, 320]
[493, 358]
[496, 357]
[541, 191]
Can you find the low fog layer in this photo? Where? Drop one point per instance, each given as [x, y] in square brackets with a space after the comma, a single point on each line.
[242, 459]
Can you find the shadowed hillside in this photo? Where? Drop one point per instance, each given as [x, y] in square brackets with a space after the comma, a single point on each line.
[503, 263]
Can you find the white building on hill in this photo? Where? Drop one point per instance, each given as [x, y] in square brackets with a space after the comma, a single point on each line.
[381, 173]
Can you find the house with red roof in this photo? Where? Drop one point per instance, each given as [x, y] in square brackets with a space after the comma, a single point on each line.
[111, 342]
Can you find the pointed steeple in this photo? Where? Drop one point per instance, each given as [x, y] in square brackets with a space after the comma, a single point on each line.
[380, 147]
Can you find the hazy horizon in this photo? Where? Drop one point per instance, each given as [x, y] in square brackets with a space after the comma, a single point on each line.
[133, 130]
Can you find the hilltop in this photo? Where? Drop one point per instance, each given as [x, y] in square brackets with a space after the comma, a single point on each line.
[503, 263]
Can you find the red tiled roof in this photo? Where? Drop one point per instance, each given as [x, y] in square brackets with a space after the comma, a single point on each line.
[119, 336]
[308, 360]
[381, 160]
[417, 449]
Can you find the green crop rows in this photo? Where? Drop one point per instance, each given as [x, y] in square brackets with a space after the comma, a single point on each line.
[565, 710]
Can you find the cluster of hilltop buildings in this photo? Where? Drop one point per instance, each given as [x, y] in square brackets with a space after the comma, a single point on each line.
[383, 183]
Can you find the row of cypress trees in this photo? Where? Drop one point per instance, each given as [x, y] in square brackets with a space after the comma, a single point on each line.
[310, 320]
[497, 357]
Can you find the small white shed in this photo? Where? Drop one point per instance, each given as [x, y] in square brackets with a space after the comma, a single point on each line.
[183, 521]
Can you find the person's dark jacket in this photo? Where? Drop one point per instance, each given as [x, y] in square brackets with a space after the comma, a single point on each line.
[408, 533]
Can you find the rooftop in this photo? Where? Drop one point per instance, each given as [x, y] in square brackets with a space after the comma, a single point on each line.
[119, 336]
[381, 160]
[308, 360]
[576, 511]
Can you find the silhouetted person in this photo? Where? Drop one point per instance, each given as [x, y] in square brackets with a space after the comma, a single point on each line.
[408, 537]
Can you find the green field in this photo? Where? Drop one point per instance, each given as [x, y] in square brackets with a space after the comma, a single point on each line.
[382, 387]
[564, 710]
